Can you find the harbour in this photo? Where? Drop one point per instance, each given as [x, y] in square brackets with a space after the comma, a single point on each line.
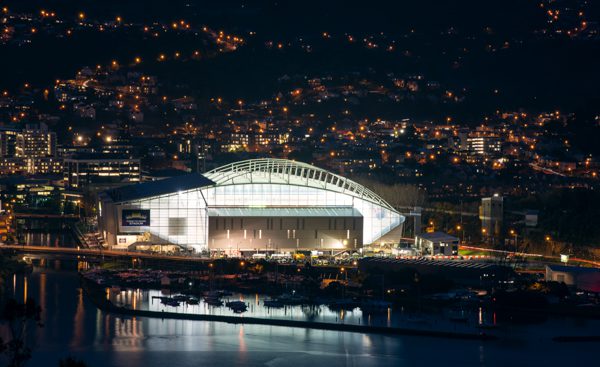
[75, 326]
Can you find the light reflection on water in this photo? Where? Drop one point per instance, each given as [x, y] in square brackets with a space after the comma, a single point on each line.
[48, 239]
[74, 326]
[150, 300]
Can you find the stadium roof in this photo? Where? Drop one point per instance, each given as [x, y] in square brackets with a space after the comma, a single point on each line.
[285, 212]
[283, 171]
[160, 187]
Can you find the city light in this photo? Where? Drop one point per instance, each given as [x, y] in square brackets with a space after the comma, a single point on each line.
[246, 167]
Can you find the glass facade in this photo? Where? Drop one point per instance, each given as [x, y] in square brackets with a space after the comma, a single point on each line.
[181, 218]
[178, 218]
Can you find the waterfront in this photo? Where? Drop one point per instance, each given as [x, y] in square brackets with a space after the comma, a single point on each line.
[74, 326]
[150, 300]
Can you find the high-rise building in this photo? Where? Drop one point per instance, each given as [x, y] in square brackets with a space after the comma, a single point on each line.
[35, 141]
[30, 150]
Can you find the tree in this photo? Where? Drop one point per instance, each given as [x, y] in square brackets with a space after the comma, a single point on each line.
[19, 318]
[396, 194]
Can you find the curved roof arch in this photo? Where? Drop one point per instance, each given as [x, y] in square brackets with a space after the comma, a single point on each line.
[283, 171]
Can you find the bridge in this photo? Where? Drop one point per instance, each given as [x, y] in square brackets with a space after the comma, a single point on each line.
[45, 216]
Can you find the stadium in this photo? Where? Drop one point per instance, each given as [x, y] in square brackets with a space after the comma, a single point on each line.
[258, 205]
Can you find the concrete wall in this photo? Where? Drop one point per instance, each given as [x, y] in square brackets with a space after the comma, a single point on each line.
[561, 277]
[279, 233]
[107, 221]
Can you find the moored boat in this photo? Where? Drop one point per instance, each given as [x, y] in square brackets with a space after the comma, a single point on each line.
[192, 301]
[213, 301]
[273, 303]
[237, 306]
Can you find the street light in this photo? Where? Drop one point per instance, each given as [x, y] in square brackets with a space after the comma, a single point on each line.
[551, 242]
[343, 271]
[461, 229]
[514, 233]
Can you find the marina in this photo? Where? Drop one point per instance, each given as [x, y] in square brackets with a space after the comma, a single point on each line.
[113, 338]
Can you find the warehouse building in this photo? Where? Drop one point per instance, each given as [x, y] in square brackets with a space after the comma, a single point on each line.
[587, 279]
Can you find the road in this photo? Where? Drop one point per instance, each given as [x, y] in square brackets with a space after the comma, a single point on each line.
[140, 255]
[525, 254]
[45, 216]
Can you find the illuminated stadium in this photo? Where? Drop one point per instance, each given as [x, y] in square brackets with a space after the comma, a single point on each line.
[254, 205]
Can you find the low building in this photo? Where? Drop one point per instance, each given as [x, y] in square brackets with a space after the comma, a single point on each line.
[587, 279]
[482, 142]
[437, 243]
[100, 171]
[30, 191]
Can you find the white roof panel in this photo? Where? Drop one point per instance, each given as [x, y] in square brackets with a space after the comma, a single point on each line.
[284, 212]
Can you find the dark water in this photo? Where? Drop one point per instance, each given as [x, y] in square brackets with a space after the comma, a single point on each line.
[75, 327]
[139, 299]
